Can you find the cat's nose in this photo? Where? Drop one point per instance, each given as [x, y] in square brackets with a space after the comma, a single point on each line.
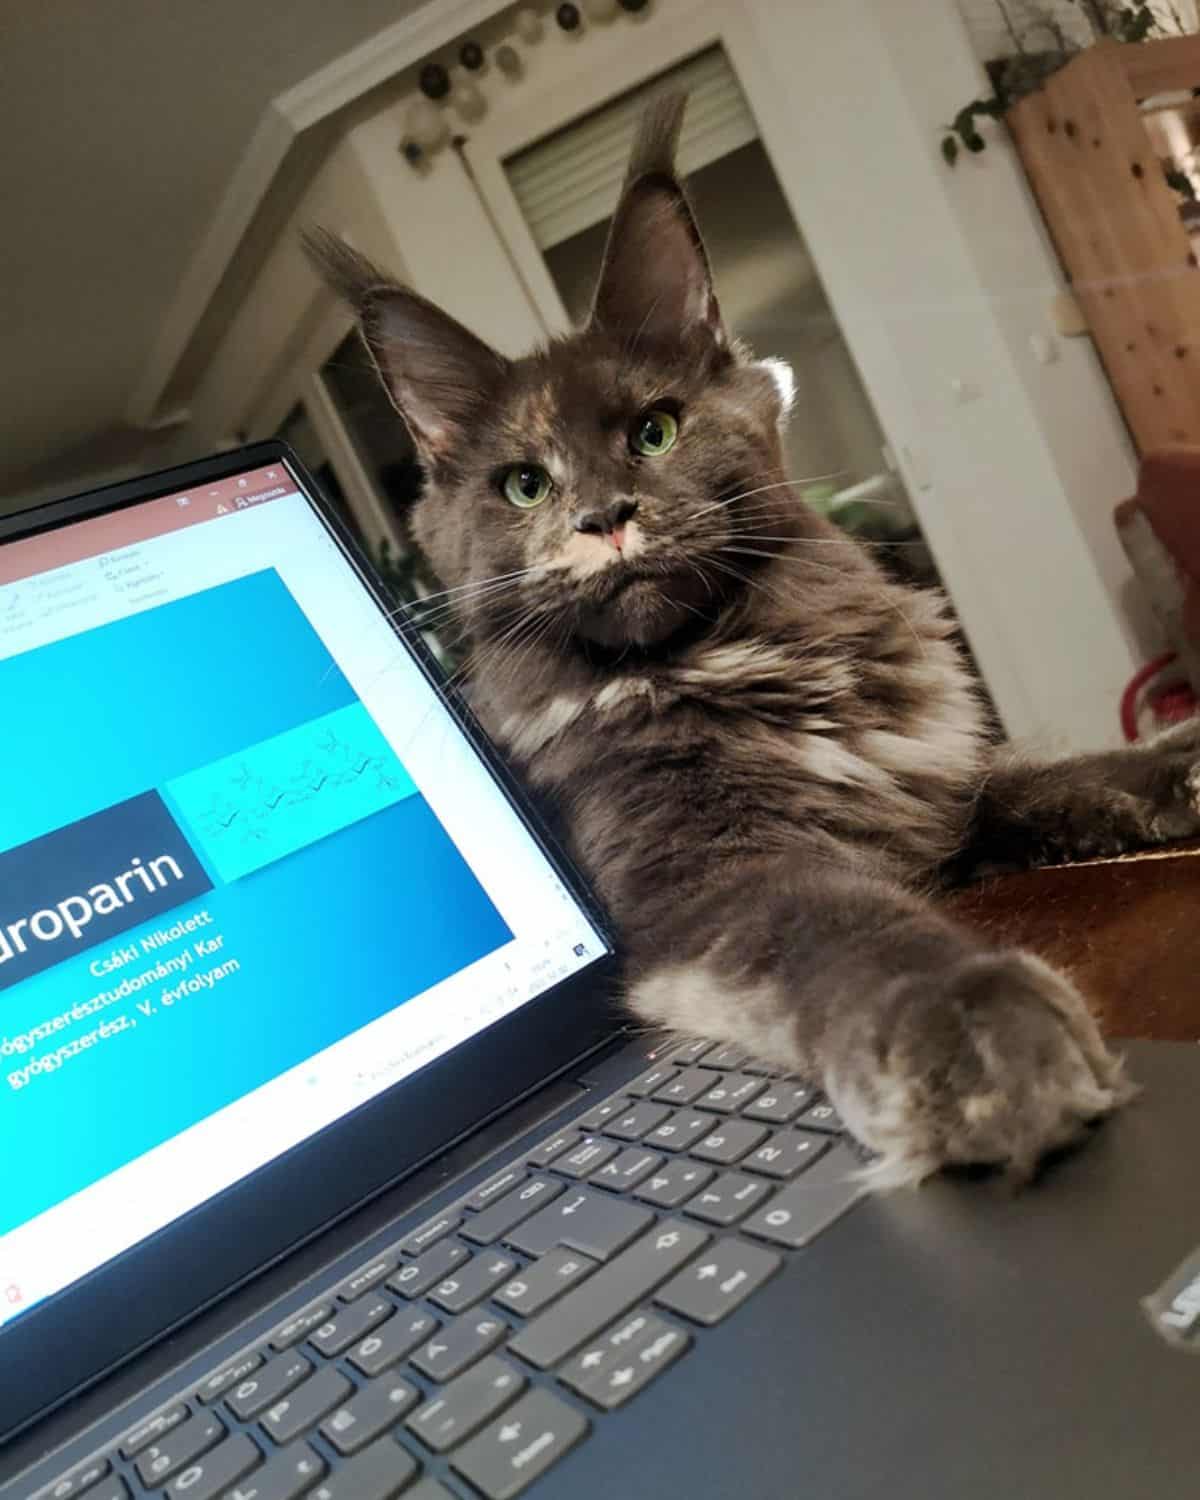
[608, 521]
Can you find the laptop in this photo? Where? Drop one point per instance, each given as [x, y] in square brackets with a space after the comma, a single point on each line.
[332, 1168]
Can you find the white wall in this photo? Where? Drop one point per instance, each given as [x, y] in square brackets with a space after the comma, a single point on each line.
[941, 279]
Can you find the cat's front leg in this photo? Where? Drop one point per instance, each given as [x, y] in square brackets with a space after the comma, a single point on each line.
[936, 1049]
[1084, 807]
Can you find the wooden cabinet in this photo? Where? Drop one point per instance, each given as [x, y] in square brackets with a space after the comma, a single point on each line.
[1092, 162]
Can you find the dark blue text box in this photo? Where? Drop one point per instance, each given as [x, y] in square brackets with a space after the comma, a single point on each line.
[91, 881]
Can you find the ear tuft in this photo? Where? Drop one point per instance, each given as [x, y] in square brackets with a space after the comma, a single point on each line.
[351, 275]
[657, 139]
[655, 285]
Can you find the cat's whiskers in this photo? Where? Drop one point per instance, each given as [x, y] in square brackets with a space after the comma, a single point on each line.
[788, 483]
[475, 586]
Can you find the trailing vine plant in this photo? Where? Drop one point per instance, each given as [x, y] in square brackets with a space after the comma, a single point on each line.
[1041, 46]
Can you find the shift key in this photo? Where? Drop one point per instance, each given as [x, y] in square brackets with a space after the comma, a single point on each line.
[612, 1290]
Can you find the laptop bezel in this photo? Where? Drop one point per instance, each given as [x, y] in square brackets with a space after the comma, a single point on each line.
[60, 1346]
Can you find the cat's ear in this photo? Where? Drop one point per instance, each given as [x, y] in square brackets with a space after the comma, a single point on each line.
[655, 285]
[439, 375]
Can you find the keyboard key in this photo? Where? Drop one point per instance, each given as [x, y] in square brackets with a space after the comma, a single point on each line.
[219, 1381]
[466, 1404]
[600, 1114]
[730, 1141]
[799, 1212]
[728, 1199]
[687, 1087]
[289, 1474]
[781, 1103]
[675, 1184]
[727, 1056]
[458, 1345]
[429, 1233]
[397, 1339]
[262, 1389]
[787, 1153]
[608, 1348]
[627, 1170]
[763, 1068]
[350, 1325]
[300, 1325]
[429, 1489]
[604, 1296]
[732, 1092]
[591, 1152]
[178, 1449]
[539, 1284]
[682, 1130]
[515, 1450]
[376, 1409]
[366, 1278]
[75, 1481]
[691, 1051]
[112, 1488]
[632, 1124]
[511, 1209]
[414, 1278]
[291, 1415]
[651, 1081]
[718, 1281]
[472, 1283]
[153, 1427]
[211, 1475]
[496, 1186]
[544, 1154]
[583, 1220]
[377, 1473]
[822, 1116]
[649, 1356]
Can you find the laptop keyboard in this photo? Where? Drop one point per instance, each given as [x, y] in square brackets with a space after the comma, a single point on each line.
[469, 1357]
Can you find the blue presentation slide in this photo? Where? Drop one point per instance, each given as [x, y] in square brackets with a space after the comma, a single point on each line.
[212, 866]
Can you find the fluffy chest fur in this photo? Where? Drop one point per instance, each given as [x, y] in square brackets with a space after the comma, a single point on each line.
[870, 733]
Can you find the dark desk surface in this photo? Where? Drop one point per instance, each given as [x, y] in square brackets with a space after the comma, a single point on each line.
[1127, 930]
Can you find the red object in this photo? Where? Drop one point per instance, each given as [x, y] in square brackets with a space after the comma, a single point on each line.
[1169, 704]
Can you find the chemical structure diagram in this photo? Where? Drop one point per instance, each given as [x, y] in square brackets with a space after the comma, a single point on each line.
[247, 805]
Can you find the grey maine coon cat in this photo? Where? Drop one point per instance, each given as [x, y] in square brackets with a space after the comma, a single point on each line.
[767, 756]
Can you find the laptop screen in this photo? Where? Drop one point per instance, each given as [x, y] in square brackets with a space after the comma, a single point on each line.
[252, 873]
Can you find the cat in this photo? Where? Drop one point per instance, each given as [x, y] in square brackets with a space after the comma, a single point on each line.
[767, 755]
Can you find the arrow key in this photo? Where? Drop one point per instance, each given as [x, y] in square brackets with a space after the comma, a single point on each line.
[611, 1349]
[510, 1454]
[658, 1347]
[718, 1281]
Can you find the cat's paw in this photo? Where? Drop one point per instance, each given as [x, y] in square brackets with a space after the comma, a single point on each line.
[996, 1061]
[1163, 775]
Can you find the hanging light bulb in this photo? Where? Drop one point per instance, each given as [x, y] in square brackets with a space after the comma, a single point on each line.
[468, 100]
[508, 60]
[425, 124]
[528, 25]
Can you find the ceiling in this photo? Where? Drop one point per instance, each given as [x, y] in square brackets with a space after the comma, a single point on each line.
[122, 124]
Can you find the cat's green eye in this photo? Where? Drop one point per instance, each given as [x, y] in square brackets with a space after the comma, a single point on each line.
[526, 485]
[655, 433]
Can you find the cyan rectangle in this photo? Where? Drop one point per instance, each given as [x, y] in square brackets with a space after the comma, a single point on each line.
[249, 810]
